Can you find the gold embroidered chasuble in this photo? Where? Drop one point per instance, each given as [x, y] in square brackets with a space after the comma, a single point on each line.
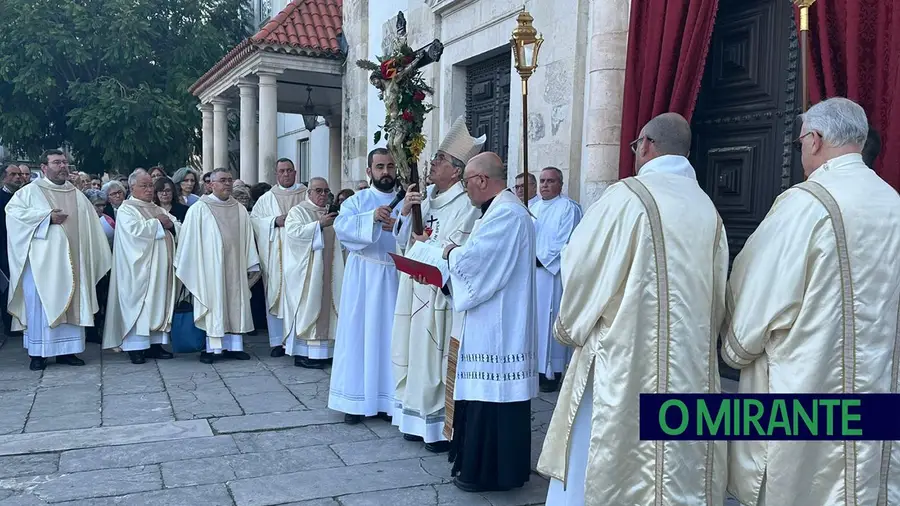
[142, 283]
[643, 300]
[67, 260]
[312, 277]
[813, 301]
[216, 260]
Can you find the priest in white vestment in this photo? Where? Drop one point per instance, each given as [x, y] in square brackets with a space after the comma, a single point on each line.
[142, 283]
[643, 300]
[268, 215]
[813, 304]
[556, 217]
[313, 274]
[218, 262]
[492, 372]
[362, 383]
[57, 254]
[533, 197]
[423, 317]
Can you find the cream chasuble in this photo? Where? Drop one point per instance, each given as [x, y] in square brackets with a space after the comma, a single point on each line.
[492, 282]
[64, 262]
[643, 300]
[269, 238]
[555, 220]
[313, 274]
[423, 319]
[142, 282]
[216, 254]
[813, 299]
[361, 379]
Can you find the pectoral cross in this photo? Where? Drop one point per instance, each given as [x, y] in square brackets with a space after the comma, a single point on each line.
[431, 221]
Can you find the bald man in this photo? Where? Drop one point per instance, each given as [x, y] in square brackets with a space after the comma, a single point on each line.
[492, 373]
[643, 299]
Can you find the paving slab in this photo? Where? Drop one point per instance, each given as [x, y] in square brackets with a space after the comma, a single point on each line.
[380, 450]
[313, 435]
[86, 485]
[204, 402]
[248, 465]
[312, 395]
[323, 483]
[17, 444]
[414, 496]
[141, 454]
[135, 408]
[206, 495]
[45, 422]
[270, 421]
[26, 465]
[269, 402]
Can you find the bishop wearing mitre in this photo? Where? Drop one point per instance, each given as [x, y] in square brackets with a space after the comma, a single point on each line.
[643, 299]
[142, 283]
[267, 217]
[813, 304]
[313, 275]
[424, 316]
[218, 262]
[57, 254]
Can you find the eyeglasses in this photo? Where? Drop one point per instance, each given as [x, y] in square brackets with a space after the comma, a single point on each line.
[465, 181]
[59, 163]
[634, 143]
[319, 191]
[798, 142]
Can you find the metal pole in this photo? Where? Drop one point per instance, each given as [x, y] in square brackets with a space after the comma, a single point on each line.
[525, 140]
[804, 6]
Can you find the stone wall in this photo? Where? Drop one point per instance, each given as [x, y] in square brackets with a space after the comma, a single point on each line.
[355, 137]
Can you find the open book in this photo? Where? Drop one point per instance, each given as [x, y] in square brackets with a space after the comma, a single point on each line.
[424, 260]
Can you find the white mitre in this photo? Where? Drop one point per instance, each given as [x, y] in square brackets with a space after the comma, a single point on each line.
[459, 144]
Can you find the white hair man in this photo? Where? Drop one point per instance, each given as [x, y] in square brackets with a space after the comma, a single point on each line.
[142, 283]
[643, 298]
[313, 274]
[424, 310]
[268, 217]
[57, 255]
[218, 262]
[813, 307]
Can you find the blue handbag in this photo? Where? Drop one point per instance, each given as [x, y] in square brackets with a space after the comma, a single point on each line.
[186, 337]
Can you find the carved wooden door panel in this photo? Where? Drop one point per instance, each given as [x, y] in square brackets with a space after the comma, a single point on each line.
[744, 121]
[487, 102]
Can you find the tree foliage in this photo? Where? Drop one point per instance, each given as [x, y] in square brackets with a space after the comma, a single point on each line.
[110, 78]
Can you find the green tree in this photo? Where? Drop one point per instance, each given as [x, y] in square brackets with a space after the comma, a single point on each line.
[109, 78]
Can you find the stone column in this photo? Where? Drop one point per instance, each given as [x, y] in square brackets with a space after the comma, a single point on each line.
[249, 133]
[335, 135]
[268, 126]
[606, 88]
[207, 111]
[220, 133]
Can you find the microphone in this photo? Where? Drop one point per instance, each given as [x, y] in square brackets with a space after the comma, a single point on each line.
[399, 198]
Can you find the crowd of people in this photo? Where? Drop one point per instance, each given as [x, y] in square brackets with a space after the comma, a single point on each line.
[629, 297]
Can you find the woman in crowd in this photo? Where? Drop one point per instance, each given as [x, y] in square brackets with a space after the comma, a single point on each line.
[164, 195]
[115, 194]
[242, 195]
[186, 178]
[157, 172]
[100, 201]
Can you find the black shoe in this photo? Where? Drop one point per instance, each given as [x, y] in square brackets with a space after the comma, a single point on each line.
[277, 351]
[69, 360]
[413, 437]
[236, 355]
[158, 352]
[352, 419]
[38, 364]
[438, 447]
[137, 357]
[548, 385]
[467, 487]
[384, 416]
[206, 358]
[308, 363]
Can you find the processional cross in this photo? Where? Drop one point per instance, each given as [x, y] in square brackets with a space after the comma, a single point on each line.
[401, 87]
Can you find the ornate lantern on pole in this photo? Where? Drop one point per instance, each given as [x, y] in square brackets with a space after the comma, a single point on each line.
[526, 44]
[804, 6]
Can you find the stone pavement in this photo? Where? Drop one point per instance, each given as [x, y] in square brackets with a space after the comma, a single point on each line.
[179, 432]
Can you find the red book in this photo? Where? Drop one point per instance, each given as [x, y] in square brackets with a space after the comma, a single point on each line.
[415, 269]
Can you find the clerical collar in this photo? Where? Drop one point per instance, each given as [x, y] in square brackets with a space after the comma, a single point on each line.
[487, 204]
[382, 192]
[669, 164]
[295, 187]
[213, 195]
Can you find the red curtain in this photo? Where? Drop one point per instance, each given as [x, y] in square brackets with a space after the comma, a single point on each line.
[667, 45]
[854, 49]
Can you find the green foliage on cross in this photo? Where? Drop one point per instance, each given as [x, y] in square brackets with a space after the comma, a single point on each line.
[110, 77]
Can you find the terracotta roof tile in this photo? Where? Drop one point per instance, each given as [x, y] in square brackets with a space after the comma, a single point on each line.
[309, 27]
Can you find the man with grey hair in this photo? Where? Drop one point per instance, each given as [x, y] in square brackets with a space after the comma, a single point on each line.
[813, 308]
[218, 262]
[643, 280]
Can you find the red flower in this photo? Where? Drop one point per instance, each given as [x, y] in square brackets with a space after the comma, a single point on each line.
[388, 70]
[408, 116]
[419, 96]
[428, 231]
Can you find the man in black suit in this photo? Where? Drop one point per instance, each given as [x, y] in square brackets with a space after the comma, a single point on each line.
[13, 179]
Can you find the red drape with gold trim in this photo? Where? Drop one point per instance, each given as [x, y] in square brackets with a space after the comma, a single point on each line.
[854, 48]
[667, 45]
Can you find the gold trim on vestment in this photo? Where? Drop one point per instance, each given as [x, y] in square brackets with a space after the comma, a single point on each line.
[662, 285]
[848, 357]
